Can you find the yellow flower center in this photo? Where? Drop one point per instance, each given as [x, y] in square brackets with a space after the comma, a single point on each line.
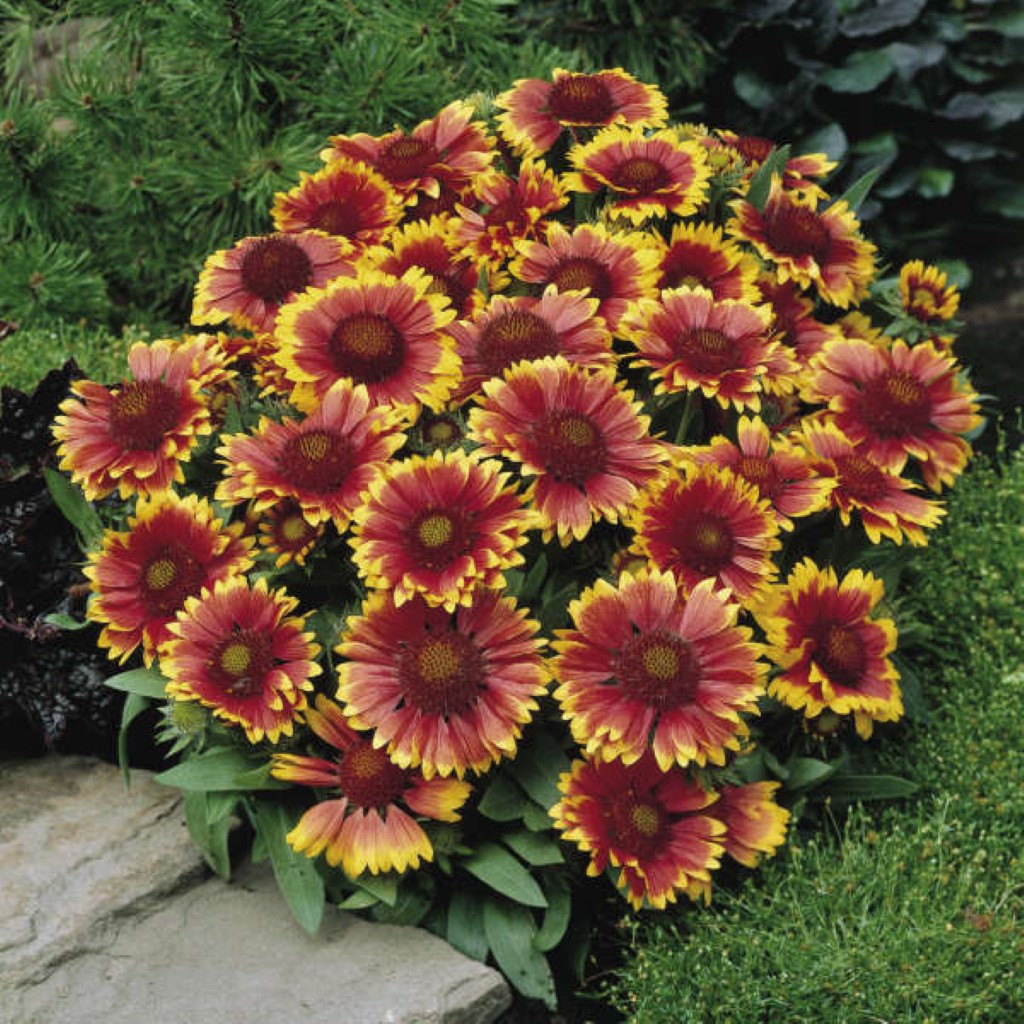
[294, 529]
[235, 659]
[576, 431]
[645, 819]
[161, 574]
[581, 99]
[441, 675]
[314, 446]
[436, 530]
[660, 661]
[639, 174]
[439, 662]
[903, 389]
[366, 347]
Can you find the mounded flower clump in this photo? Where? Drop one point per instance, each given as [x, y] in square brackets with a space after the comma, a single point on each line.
[547, 416]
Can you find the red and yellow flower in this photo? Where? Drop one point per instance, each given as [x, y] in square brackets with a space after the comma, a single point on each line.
[646, 176]
[133, 438]
[801, 172]
[816, 249]
[654, 826]
[578, 432]
[778, 469]
[385, 332]
[239, 651]
[616, 268]
[899, 401]
[925, 293]
[707, 523]
[249, 283]
[794, 325]
[832, 654]
[755, 825]
[884, 501]
[447, 693]
[693, 343]
[697, 255]
[440, 526]
[510, 330]
[445, 151]
[645, 669]
[323, 462]
[140, 578]
[537, 112]
[502, 211]
[284, 532]
[367, 827]
[344, 199]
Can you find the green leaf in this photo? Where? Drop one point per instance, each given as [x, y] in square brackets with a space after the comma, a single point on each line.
[76, 508]
[359, 900]
[259, 778]
[556, 917]
[146, 682]
[510, 932]
[869, 787]
[535, 848]
[1006, 201]
[210, 825]
[908, 60]
[863, 71]
[465, 926]
[133, 707]
[534, 578]
[830, 140]
[807, 772]
[858, 191]
[761, 183]
[411, 906]
[753, 89]
[503, 800]
[935, 182]
[874, 19]
[535, 818]
[64, 621]
[383, 887]
[538, 766]
[297, 877]
[216, 769]
[497, 868]
[1010, 25]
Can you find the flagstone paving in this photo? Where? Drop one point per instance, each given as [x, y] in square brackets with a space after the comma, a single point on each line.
[107, 913]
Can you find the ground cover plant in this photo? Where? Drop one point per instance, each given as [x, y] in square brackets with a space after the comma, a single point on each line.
[916, 913]
[529, 509]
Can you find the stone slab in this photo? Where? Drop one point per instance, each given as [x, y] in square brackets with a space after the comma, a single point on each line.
[104, 917]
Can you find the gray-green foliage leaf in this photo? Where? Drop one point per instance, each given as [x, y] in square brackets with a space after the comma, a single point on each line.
[510, 932]
[76, 508]
[863, 71]
[146, 682]
[535, 848]
[504, 873]
[465, 924]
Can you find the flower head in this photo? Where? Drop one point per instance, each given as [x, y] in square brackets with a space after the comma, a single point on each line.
[440, 526]
[238, 650]
[925, 294]
[385, 332]
[832, 653]
[249, 283]
[578, 432]
[536, 112]
[646, 176]
[697, 256]
[133, 438]
[172, 549]
[655, 826]
[755, 825]
[368, 826]
[447, 693]
[644, 669]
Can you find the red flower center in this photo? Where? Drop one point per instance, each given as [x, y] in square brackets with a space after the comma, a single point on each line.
[406, 157]
[240, 662]
[753, 148]
[432, 206]
[840, 652]
[705, 542]
[142, 414]
[317, 460]
[579, 273]
[692, 266]
[366, 347]
[581, 99]
[368, 777]
[641, 175]
[896, 404]
[795, 230]
[274, 268]
[636, 825]
[436, 537]
[171, 575]
[448, 285]
[338, 217]
[515, 336]
[571, 446]
[508, 211]
[441, 674]
[861, 479]
[706, 350]
[659, 668]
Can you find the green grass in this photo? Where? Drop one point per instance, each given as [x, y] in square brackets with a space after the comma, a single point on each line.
[27, 355]
[915, 914]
